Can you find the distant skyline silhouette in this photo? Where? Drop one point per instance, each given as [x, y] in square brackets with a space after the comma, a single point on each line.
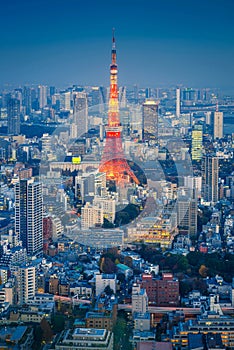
[159, 42]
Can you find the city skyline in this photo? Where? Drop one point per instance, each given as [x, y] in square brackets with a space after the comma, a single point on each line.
[166, 43]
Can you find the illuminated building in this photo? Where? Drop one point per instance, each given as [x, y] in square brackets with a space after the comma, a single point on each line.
[197, 142]
[113, 162]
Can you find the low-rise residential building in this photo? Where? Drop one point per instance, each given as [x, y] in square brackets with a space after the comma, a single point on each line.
[85, 338]
[20, 337]
[104, 280]
[162, 292]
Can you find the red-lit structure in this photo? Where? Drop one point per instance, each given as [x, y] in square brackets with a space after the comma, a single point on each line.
[113, 162]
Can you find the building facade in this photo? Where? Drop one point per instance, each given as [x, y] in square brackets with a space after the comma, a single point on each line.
[29, 215]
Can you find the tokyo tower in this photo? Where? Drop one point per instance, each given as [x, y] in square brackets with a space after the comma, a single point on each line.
[113, 161]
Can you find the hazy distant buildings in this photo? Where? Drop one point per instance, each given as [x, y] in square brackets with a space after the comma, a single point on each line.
[178, 102]
[80, 112]
[150, 121]
[28, 215]
[42, 94]
[210, 177]
[122, 97]
[13, 116]
[65, 100]
[27, 99]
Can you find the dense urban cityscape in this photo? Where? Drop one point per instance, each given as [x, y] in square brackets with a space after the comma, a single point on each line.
[116, 216]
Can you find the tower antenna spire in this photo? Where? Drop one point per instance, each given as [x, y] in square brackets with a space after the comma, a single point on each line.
[113, 38]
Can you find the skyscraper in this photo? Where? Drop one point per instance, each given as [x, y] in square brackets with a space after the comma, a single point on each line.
[187, 213]
[80, 112]
[197, 135]
[150, 121]
[27, 99]
[210, 177]
[178, 102]
[13, 116]
[217, 124]
[65, 100]
[42, 92]
[28, 215]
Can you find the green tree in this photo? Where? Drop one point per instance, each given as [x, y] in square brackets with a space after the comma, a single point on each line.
[47, 334]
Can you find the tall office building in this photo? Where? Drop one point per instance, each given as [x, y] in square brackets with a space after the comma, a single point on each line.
[217, 124]
[150, 121]
[122, 97]
[197, 135]
[13, 116]
[42, 94]
[187, 214]
[28, 215]
[80, 112]
[210, 177]
[26, 283]
[27, 99]
[178, 102]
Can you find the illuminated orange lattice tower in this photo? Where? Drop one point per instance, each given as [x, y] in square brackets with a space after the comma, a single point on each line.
[113, 162]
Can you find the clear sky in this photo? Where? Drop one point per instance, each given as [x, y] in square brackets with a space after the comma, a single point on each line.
[159, 42]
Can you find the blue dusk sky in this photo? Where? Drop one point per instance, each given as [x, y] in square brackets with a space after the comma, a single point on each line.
[159, 42]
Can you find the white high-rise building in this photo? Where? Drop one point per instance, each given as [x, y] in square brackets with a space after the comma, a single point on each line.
[65, 100]
[42, 92]
[218, 125]
[100, 184]
[91, 216]
[26, 283]
[80, 112]
[178, 102]
[194, 182]
[29, 215]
